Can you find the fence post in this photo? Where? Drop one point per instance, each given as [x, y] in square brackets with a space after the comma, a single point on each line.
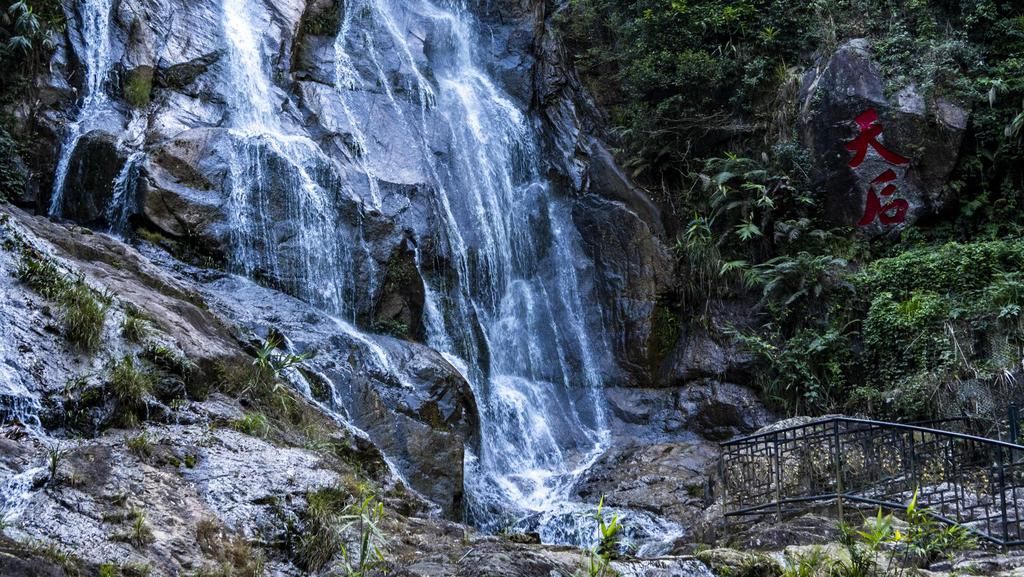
[913, 463]
[778, 477]
[1002, 494]
[723, 491]
[1014, 421]
[837, 459]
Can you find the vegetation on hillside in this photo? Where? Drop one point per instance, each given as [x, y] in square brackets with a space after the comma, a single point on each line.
[701, 96]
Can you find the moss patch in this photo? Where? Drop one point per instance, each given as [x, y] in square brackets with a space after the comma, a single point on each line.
[138, 86]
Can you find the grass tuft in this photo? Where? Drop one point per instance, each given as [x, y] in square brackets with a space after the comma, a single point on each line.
[130, 385]
[82, 310]
[134, 327]
[252, 424]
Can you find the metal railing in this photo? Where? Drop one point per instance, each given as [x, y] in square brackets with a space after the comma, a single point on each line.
[960, 478]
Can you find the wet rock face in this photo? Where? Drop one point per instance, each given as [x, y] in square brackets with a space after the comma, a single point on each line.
[631, 268]
[410, 401]
[399, 308]
[866, 141]
[95, 165]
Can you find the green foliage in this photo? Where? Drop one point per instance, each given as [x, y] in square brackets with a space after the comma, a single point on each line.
[131, 386]
[814, 563]
[55, 456]
[392, 327]
[232, 554]
[82, 310]
[134, 327]
[928, 540]
[253, 424]
[348, 533]
[84, 314]
[321, 540]
[952, 268]
[881, 549]
[12, 176]
[25, 33]
[271, 363]
[138, 86]
[608, 532]
[609, 537]
[363, 520]
[42, 276]
[139, 534]
[806, 373]
[799, 286]
[264, 380]
[917, 324]
[140, 445]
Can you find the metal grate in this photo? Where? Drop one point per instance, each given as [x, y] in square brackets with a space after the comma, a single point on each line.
[961, 478]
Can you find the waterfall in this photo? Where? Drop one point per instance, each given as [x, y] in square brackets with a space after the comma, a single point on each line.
[521, 275]
[513, 320]
[276, 171]
[510, 313]
[15, 493]
[95, 30]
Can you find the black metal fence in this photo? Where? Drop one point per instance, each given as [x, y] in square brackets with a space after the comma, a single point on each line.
[961, 478]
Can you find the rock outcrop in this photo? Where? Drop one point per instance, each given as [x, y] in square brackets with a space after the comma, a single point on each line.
[859, 129]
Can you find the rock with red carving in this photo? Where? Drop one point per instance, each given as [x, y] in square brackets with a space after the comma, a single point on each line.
[882, 158]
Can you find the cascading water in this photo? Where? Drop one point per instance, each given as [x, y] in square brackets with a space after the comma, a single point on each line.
[534, 367]
[269, 159]
[510, 314]
[95, 30]
[15, 492]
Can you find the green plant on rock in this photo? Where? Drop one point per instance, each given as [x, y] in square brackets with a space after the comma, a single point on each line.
[362, 520]
[320, 541]
[55, 456]
[880, 549]
[269, 367]
[140, 445]
[813, 563]
[233, 555]
[140, 534]
[253, 424]
[82, 310]
[270, 363]
[134, 327]
[84, 315]
[131, 386]
[928, 540]
[609, 536]
[348, 533]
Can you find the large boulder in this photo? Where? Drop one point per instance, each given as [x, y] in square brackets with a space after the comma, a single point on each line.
[177, 193]
[883, 160]
[667, 479]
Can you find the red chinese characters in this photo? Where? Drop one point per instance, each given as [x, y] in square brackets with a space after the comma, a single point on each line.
[894, 210]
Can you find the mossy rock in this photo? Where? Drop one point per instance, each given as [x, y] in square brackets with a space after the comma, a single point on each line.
[138, 86]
